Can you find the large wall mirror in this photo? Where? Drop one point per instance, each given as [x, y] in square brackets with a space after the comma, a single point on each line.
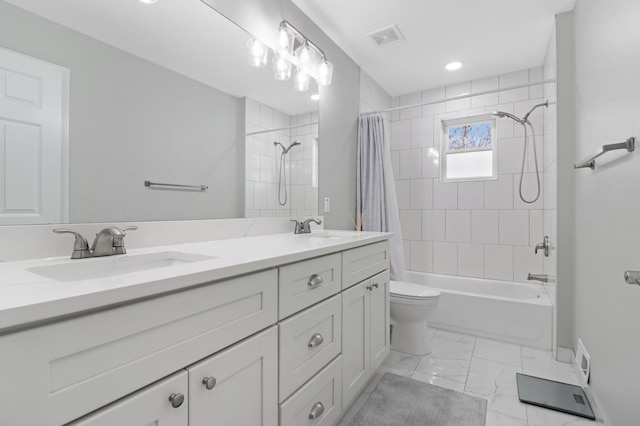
[148, 92]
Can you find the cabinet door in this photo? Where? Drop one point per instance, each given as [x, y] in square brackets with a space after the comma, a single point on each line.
[238, 386]
[163, 404]
[355, 341]
[379, 319]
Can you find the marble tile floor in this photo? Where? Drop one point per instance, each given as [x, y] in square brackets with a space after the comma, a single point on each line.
[484, 368]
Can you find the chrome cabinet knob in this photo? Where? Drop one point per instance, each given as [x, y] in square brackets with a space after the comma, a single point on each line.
[315, 280]
[369, 287]
[316, 410]
[209, 382]
[316, 340]
[375, 285]
[176, 399]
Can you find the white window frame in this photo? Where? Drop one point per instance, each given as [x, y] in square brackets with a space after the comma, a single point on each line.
[444, 146]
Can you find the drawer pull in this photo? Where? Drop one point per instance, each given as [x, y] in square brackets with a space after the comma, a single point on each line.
[316, 340]
[314, 280]
[316, 410]
[369, 287]
[209, 382]
[375, 285]
[176, 399]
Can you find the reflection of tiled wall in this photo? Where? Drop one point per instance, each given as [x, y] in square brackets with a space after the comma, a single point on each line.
[263, 163]
[476, 229]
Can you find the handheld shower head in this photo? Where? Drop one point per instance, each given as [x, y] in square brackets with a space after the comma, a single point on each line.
[502, 114]
[291, 146]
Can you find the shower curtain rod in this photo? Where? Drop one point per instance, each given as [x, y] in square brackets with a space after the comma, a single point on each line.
[281, 128]
[455, 98]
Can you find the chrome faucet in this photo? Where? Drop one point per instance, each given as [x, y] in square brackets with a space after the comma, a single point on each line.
[305, 226]
[108, 242]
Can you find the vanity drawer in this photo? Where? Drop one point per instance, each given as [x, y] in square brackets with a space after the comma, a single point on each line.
[321, 395]
[304, 283]
[72, 367]
[363, 262]
[308, 341]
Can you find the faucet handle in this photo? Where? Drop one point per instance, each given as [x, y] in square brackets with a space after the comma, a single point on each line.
[306, 225]
[80, 245]
[298, 228]
[129, 228]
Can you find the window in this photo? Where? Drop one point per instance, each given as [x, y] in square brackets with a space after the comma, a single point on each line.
[468, 147]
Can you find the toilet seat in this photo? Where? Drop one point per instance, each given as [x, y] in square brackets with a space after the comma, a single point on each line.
[405, 290]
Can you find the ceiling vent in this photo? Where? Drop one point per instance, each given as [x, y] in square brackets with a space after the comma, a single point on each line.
[386, 35]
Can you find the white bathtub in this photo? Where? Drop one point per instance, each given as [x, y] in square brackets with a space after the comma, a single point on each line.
[512, 312]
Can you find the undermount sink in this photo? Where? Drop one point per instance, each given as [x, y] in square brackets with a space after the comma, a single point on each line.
[100, 267]
[327, 235]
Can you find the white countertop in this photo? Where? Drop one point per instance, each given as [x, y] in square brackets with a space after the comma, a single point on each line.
[27, 297]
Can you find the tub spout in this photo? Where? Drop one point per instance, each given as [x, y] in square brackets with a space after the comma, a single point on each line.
[539, 277]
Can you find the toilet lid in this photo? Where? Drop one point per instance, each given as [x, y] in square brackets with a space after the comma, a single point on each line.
[411, 290]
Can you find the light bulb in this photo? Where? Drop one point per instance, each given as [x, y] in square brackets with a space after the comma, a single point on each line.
[325, 73]
[284, 40]
[301, 81]
[306, 57]
[281, 68]
[258, 53]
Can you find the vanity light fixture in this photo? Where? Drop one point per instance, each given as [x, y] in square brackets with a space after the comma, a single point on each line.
[315, 97]
[452, 66]
[291, 49]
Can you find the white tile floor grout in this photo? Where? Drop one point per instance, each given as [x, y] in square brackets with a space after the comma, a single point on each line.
[484, 368]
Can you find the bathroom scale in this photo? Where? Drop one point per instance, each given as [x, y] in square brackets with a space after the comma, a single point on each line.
[558, 396]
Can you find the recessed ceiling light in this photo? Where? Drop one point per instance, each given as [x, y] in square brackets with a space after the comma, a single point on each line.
[315, 97]
[148, 1]
[452, 66]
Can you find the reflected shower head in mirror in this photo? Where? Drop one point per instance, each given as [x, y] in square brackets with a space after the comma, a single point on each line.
[282, 175]
[285, 150]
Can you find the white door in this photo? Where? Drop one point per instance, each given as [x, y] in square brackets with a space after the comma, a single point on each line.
[355, 341]
[33, 114]
[379, 319]
[238, 386]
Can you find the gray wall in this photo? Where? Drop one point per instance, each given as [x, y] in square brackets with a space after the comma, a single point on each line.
[339, 102]
[131, 121]
[605, 312]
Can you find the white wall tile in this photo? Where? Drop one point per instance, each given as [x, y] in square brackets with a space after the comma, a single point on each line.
[400, 134]
[403, 194]
[482, 85]
[410, 99]
[433, 225]
[445, 195]
[510, 155]
[422, 256]
[395, 164]
[422, 194]
[525, 261]
[410, 164]
[457, 90]
[484, 227]
[458, 226]
[529, 191]
[433, 95]
[411, 220]
[498, 262]
[445, 258]
[406, 245]
[514, 227]
[431, 162]
[471, 260]
[498, 194]
[471, 195]
[536, 227]
[422, 132]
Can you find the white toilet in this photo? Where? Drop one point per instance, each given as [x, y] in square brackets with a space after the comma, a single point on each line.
[410, 305]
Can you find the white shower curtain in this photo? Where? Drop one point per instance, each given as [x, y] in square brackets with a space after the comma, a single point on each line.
[376, 193]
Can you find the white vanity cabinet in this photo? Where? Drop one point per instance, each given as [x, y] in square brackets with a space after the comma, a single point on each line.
[288, 345]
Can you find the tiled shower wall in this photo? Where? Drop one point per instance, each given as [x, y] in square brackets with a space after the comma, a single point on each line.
[263, 163]
[476, 229]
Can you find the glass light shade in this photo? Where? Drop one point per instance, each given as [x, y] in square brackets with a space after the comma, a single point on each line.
[284, 40]
[325, 73]
[258, 53]
[301, 81]
[306, 57]
[281, 67]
